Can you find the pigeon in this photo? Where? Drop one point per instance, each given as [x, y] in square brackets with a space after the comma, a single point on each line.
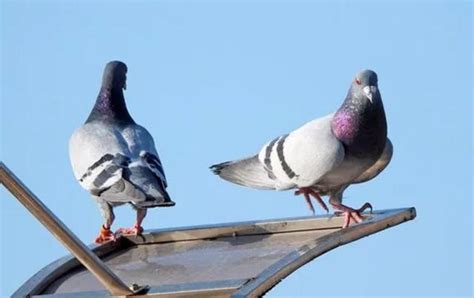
[326, 155]
[115, 159]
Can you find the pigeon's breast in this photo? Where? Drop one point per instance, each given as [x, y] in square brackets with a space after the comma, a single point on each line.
[364, 137]
[347, 171]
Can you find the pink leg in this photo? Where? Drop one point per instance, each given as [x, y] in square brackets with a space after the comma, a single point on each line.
[137, 229]
[308, 202]
[351, 214]
[105, 234]
[307, 193]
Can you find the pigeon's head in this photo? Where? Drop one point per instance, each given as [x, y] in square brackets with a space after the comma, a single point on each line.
[115, 75]
[365, 86]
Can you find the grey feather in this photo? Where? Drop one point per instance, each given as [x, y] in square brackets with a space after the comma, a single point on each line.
[378, 166]
[123, 192]
[150, 185]
[113, 157]
[248, 172]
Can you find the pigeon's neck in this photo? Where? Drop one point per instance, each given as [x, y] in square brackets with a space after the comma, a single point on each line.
[345, 125]
[360, 125]
[110, 106]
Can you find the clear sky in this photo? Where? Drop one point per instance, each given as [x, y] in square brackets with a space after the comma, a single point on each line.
[214, 81]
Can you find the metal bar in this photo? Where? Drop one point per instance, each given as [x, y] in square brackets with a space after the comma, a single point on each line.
[95, 265]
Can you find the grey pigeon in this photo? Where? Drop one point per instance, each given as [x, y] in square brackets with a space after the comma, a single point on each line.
[326, 155]
[115, 159]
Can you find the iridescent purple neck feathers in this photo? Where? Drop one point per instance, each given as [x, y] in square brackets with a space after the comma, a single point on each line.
[360, 124]
[110, 106]
[345, 126]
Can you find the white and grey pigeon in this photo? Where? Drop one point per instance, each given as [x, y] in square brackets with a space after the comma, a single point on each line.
[326, 155]
[115, 159]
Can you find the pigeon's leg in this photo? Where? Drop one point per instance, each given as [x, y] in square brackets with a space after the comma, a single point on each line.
[107, 212]
[141, 213]
[351, 214]
[308, 192]
[137, 228]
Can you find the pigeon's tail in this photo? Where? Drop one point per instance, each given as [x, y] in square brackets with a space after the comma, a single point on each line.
[155, 198]
[153, 188]
[248, 172]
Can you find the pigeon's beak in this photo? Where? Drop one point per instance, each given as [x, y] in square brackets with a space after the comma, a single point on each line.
[125, 86]
[369, 91]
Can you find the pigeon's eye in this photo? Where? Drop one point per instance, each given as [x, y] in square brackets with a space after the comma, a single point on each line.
[357, 81]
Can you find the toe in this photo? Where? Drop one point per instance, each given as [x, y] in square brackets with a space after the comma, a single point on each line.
[122, 231]
[102, 239]
[347, 220]
[357, 217]
[133, 231]
[308, 201]
[105, 235]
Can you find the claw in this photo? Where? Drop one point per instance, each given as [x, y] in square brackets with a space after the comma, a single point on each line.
[367, 205]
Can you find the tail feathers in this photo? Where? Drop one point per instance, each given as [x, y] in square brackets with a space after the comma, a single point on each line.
[140, 187]
[157, 196]
[122, 192]
[246, 172]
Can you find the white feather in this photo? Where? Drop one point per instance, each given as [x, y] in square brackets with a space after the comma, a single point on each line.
[310, 151]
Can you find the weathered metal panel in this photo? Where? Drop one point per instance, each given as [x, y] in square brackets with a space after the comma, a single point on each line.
[225, 258]
[238, 259]
[379, 221]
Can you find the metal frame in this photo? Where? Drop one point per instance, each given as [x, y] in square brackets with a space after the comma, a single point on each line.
[95, 265]
[378, 221]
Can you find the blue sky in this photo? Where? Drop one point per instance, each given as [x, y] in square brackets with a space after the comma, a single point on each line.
[214, 81]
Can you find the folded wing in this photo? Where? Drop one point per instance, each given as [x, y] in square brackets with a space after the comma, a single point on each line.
[119, 166]
[298, 159]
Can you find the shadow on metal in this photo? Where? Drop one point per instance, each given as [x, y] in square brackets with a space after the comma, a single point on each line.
[244, 259]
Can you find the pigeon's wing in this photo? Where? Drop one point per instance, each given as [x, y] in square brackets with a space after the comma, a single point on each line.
[98, 155]
[141, 144]
[295, 160]
[146, 170]
[118, 165]
[305, 155]
[379, 165]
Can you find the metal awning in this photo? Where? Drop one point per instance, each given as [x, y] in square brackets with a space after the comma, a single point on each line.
[232, 259]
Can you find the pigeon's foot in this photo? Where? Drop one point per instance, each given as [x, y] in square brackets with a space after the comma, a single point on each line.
[105, 235]
[133, 231]
[351, 214]
[307, 192]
